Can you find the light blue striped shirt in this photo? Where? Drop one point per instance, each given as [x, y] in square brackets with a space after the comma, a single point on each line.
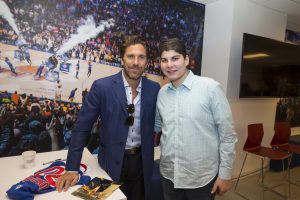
[134, 132]
[198, 138]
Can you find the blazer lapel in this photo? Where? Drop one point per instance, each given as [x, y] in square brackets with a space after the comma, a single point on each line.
[119, 90]
[143, 97]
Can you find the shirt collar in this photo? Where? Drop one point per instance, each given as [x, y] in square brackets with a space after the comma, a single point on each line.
[188, 81]
[126, 84]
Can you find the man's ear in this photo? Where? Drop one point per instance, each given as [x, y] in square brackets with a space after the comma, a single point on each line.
[187, 60]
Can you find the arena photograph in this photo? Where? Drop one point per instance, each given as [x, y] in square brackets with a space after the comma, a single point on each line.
[51, 51]
[46, 46]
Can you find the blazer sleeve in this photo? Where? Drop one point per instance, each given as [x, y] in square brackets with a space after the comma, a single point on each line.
[88, 114]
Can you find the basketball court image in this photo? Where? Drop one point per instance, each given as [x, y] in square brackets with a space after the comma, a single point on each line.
[27, 80]
[42, 42]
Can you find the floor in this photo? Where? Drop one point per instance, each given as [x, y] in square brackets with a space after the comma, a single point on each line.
[250, 188]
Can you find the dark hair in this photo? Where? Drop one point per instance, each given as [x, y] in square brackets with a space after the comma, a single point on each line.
[28, 142]
[167, 44]
[44, 143]
[132, 40]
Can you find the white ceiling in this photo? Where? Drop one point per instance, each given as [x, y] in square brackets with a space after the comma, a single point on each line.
[289, 7]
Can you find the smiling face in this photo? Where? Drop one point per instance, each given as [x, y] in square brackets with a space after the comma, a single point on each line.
[173, 65]
[134, 61]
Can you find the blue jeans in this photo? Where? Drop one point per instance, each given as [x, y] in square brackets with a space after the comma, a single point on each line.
[202, 193]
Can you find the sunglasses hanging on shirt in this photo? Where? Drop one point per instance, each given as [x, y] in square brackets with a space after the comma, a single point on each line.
[130, 119]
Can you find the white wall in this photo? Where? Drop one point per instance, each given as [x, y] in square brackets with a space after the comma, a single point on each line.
[225, 23]
[217, 39]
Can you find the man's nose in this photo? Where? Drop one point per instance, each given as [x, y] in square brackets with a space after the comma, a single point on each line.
[169, 63]
[136, 61]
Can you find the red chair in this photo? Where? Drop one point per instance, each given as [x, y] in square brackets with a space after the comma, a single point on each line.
[281, 138]
[280, 141]
[253, 146]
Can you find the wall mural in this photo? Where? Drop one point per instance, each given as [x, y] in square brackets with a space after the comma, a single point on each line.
[51, 51]
[288, 109]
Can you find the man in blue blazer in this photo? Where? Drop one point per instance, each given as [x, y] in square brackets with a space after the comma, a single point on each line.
[126, 105]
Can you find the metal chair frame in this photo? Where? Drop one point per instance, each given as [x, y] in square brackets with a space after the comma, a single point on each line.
[280, 141]
[253, 146]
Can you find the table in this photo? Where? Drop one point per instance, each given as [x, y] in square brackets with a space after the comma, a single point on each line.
[12, 171]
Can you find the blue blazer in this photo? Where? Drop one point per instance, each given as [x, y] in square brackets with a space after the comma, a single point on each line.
[107, 99]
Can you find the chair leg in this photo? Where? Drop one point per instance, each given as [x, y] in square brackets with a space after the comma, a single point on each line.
[289, 175]
[237, 182]
[289, 170]
[262, 175]
[289, 166]
[271, 189]
[262, 171]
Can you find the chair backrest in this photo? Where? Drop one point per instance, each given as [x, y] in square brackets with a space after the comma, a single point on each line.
[255, 135]
[282, 133]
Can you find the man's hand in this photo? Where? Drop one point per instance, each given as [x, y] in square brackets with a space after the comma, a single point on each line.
[66, 180]
[157, 138]
[221, 186]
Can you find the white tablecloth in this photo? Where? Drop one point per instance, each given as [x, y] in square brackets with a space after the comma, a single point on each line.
[12, 171]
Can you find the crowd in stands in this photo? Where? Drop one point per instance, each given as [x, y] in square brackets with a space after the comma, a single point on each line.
[40, 124]
[46, 25]
[292, 37]
[288, 110]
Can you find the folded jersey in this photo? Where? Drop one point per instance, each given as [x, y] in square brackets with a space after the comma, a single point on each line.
[43, 181]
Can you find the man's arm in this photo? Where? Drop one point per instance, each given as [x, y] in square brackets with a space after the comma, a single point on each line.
[88, 114]
[227, 139]
[157, 128]
[157, 125]
[80, 134]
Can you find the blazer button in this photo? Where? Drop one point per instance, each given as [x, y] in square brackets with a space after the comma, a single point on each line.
[117, 162]
[121, 144]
